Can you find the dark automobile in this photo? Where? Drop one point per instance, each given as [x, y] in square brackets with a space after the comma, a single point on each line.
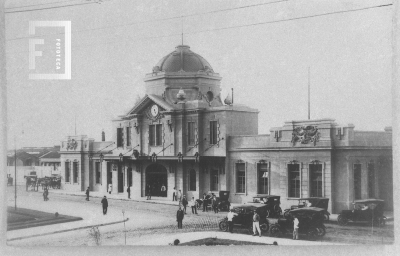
[244, 217]
[272, 204]
[223, 201]
[311, 223]
[366, 210]
[319, 202]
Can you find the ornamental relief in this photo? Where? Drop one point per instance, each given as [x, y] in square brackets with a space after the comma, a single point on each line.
[72, 144]
[305, 135]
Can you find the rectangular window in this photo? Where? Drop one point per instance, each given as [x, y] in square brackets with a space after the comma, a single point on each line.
[214, 180]
[240, 178]
[357, 181]
[213, 132]
[128, 136]
[371, 180]
[191, 139]
[192, 180]
[119, 137]
[75, 171]
[158, 134]
[152, 139]
[263, 178]
[98, 173]
[67, 172]
[315, 180]
[294, 180]
[155, 133]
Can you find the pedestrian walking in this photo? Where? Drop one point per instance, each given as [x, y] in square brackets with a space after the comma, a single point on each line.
[87, 194]
[230, 216]
[256, 224]
[205, 202]
[46, 194]
[179, 217]
[192, 204]
[148, 192]
[214, 204]
[174, 194]
[180, 196]
[104, 202]
[184, 203]
[296, 229]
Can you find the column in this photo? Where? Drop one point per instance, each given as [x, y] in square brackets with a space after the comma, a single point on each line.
[114, 179]
[103, 173]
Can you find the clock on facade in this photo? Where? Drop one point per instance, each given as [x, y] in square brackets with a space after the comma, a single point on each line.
[154, 110]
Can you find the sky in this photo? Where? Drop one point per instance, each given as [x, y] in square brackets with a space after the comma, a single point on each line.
[262, 51]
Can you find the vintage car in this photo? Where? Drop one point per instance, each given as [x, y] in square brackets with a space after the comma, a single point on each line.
[272, 204]
[244, 217]
[366, 210]
[319, 202]
[223, 201]
[311, 223]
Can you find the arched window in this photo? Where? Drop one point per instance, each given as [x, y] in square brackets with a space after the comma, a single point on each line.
[192, 180]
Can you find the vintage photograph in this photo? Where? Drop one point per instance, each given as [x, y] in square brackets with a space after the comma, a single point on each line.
[199, 123]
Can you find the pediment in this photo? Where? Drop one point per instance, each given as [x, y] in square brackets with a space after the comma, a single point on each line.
[144, 105]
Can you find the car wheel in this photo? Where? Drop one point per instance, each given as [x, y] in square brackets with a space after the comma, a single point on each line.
[312, 232]
[264, 227]
[321, 230]
[274, 230]
[223, 225]
[342, 220]
[326, 217]
[250, 229]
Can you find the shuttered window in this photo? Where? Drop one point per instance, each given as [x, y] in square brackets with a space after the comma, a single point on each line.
[357, 181]
[67, 172]
[213, 132]
[128, 136]
[371, 180]
[191, 133]
[75, 171]
[119, 137]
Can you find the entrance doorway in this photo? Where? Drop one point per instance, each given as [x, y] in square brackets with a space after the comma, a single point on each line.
[156, 177]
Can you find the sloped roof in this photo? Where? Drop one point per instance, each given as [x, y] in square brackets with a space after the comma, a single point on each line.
[51, 154]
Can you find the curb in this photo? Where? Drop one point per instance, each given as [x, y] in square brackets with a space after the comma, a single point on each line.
[67, 230]
[122, 199]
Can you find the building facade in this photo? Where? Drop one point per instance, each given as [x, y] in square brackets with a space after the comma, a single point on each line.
[181, 134]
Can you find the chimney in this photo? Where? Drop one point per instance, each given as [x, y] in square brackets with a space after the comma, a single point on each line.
[103, 136]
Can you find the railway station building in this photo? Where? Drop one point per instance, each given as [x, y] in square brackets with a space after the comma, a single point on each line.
[182, 134]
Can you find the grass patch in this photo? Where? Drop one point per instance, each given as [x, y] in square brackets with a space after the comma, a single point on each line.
[213, 241]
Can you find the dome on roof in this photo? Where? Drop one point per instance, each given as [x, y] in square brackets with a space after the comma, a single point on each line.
[183, 59]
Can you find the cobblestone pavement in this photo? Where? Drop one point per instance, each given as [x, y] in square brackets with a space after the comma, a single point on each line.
[147, 219]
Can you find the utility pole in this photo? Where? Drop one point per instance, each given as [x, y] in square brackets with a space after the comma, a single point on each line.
[308, 93]
[15, 170]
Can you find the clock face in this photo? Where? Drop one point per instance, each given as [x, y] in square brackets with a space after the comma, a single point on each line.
[154, 110]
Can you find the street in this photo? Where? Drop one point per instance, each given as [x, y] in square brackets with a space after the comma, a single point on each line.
[147, 220]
